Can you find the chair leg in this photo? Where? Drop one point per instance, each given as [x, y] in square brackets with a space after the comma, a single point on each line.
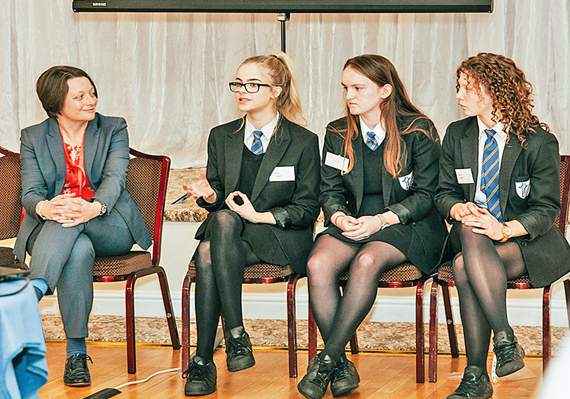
[292, 325]
[167, 300]
[186, 322]
[420, 372]
[432, 359]
[546, 347]
[567, 292]
[130, 323]
[449, 321]
[312, 334]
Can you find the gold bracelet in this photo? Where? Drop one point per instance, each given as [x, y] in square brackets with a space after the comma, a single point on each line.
[382, 220]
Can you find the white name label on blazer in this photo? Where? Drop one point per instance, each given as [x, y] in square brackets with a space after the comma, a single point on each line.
[336, 161]
[283, 173]
[464, 176]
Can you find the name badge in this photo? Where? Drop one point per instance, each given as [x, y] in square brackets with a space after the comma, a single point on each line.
[464, 176]
[283, 173]
[336, 161]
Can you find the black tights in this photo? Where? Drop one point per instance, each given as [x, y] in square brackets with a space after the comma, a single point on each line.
[481, 272]
[220, 263]
[338, 317]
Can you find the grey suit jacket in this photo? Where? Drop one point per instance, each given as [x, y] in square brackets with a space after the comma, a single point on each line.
[106, 150]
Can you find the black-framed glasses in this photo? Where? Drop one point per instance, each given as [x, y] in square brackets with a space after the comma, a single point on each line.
[249, 87]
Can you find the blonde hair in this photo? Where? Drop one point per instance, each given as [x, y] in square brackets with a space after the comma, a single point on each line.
[280, 69]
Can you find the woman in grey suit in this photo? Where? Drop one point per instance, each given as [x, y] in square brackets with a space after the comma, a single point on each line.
[378, 178]
[74, 166]
[499, 186]
[261, 191]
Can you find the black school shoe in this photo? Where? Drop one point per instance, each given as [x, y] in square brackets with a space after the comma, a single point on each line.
[345, 377]
[319, 374]
[76, 372]
[474, 385]
[510, 355]
[239, 353]
[201, 377]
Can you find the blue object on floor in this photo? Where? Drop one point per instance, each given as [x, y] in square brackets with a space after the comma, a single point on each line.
[23, 368]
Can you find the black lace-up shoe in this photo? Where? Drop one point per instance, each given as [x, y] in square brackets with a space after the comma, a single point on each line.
[510, 355]
[76, 373]
[200, 377]
[239, 354]
[319, 373]
[474, 385]
[345, 377]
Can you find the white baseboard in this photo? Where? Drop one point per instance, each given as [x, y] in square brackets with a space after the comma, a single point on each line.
[273, 306]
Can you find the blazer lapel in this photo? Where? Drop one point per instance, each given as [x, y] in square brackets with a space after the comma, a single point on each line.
[233, 154]
[90, 143]
[469, 154]
[510, 154]
[277, 147]
[55, 147]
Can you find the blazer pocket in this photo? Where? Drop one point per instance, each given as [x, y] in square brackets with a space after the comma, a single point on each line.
[406, 181]
[522, 186]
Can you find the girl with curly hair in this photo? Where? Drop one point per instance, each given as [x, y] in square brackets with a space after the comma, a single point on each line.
[499, 186]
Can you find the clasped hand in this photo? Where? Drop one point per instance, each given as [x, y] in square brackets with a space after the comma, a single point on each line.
[69, 210]
[482, 221]
[363, 227]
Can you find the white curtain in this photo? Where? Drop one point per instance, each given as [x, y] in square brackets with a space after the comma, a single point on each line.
[167, 74]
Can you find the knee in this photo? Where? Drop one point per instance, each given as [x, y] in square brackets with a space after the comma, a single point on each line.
[318, 269]
[202, 257]
[459, 273]
[363, 265]
[225, 218]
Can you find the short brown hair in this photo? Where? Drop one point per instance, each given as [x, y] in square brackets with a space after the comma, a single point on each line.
[52, 87]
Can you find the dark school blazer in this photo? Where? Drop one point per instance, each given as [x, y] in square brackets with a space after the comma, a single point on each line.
[294, 204]
[545, 251]
[106, 158]
[414, 206]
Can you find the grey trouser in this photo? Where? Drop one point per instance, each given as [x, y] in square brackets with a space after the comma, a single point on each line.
[64, 256]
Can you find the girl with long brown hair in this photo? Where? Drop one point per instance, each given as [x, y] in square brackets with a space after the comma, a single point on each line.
[261, 192]
[378, 177]
[499, 186]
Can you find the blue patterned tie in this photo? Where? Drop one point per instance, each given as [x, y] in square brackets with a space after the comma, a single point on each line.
[490, 174]
[256, 145]
[371, 141]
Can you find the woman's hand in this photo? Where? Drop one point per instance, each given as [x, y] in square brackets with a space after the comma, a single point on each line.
[367, 225]
[69, 211]
[344, 222]
[484, 223]
[462, 210]
[201, 188]
[245, 210]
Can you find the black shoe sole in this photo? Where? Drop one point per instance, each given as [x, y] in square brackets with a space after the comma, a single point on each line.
[198, 393]
[240, 367]
[343, 391]
[77, 384]
[307, 394]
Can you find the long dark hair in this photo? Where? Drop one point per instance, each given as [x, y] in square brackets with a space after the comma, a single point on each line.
[397, 105]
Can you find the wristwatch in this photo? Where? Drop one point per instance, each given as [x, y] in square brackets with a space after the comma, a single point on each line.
[103, 208]
[507, 233]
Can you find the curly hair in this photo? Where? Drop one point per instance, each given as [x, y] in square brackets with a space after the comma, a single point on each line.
[510, 92]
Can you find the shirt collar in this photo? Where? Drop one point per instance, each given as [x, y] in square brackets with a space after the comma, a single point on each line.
[267, 129]
[499, 128]
[378, 131]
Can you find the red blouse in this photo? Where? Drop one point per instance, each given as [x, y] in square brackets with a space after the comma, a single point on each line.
[76, 181]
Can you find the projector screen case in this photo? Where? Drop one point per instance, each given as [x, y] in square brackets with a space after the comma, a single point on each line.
[285, 6]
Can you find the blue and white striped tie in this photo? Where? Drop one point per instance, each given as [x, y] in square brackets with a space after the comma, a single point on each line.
[490, 174]
[371, 141]
[257, 145]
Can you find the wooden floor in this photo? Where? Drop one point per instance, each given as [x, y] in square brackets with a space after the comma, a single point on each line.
[382, 375]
